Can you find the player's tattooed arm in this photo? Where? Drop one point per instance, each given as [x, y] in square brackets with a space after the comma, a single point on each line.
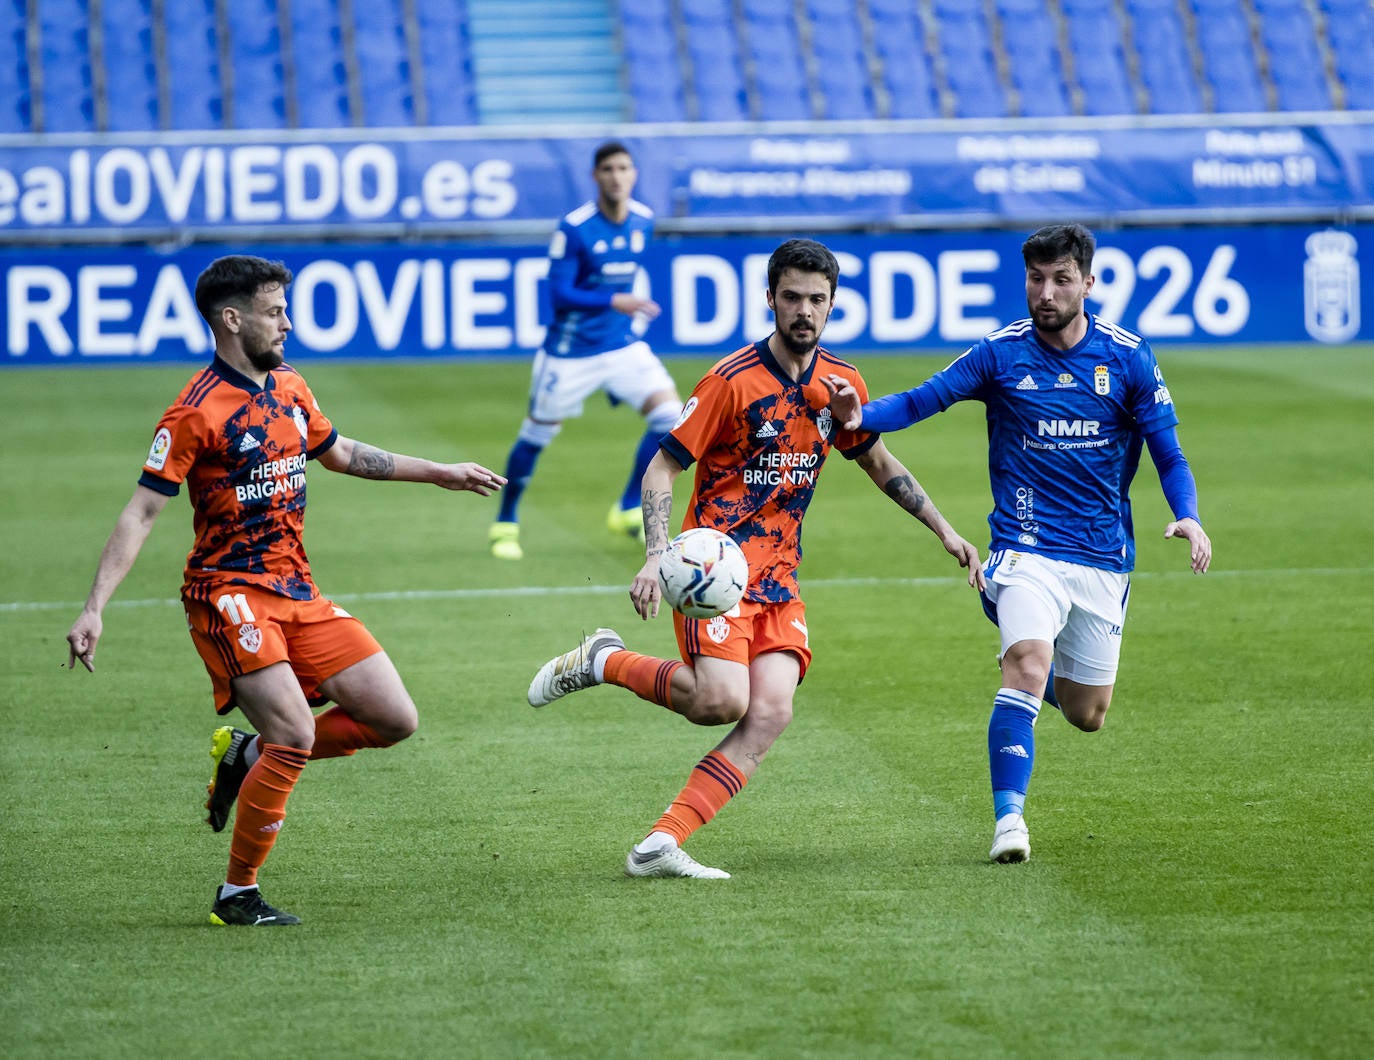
[370, 462]
[658, 507]
[894, 480]
[906, 491]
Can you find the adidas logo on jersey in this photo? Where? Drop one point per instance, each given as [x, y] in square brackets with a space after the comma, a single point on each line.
[248, 442]
[1027, 384]
[1015, 749]
[766, 431]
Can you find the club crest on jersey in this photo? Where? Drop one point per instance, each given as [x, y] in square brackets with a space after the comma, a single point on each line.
[825, 422]
[162, 445]
[250, 637]
[1102, 382]
[718, 629]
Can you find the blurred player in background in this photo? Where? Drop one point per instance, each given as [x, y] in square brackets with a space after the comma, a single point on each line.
[1071, 399]
[239, 437]
[758, 428]
[593, 343]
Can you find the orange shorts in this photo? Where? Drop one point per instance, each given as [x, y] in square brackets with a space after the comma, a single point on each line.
[741, 637]
[241, 628]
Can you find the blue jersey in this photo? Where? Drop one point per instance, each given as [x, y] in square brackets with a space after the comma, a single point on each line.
[1065, 430]
[591, 259]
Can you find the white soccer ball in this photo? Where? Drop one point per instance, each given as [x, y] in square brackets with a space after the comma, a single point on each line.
[702, 572]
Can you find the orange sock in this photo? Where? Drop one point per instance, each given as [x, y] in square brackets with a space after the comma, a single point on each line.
[261, 809]
[645, 676]
[712, 784]
[337, 734]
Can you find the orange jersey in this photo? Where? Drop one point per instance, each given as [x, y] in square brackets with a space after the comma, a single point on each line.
[759, 439]
[242, 450]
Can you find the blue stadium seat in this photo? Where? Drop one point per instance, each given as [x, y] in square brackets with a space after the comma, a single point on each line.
[317, 52]
[637, 14]
[1170, 84]
[708, 12]
[195, 93]
[844, 87]
[447, 57]
[1298, 84]
[383, 64]
[651, 42]
[130, 70]
[259, 98]
[65, 57]
[1236, 86]
[16, 101]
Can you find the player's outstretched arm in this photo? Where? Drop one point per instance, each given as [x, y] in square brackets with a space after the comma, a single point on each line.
[891, 476]
[350, 457]
[1200, 545]
[844, 401]
[656, 489]
[121, 549]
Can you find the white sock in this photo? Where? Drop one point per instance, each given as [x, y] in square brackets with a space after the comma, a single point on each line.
[654, 842]
[231, 889]
[599, 662]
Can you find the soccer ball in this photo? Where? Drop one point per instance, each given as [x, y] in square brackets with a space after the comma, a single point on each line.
[702, 572]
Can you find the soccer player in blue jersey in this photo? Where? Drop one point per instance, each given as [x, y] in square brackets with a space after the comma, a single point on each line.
[593, 343]
[1071, 400]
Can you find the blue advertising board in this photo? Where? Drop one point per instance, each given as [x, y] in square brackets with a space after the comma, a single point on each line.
[899, 174]
[909, 291]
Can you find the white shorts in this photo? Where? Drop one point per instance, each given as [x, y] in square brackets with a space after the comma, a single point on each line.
[559, 385]
[1078, 609]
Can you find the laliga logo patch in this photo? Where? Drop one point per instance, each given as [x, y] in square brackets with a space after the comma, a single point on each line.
[718, 629]
[302, 424]
[162, 445]
[687, 410]
[637, 242]
[250, 637]
[1102, 382]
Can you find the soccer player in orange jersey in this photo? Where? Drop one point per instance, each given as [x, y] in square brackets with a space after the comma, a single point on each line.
[239, 436]
[758, 428]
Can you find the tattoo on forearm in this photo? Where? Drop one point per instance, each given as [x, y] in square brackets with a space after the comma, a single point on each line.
[905, 491]
[658, 507]
[369, 462]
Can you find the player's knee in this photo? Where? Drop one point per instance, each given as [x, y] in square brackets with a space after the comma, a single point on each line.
[397, 725]
[717, 710]
[540, 434]
[663, 418]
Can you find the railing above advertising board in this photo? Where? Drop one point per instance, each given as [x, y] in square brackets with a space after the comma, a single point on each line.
[484, 183]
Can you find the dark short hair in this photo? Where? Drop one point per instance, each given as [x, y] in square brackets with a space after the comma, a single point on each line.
[1054, 242]
[610, 147]
[804, 255]
[234, 280]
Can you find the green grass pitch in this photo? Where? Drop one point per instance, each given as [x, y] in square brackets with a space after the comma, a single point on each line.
[1200, 884]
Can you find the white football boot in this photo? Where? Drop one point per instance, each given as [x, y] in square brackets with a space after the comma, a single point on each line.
[572, 670]
[670, 860]
[1010, 840]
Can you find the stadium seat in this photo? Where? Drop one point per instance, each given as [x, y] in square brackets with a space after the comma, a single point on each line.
[1299, 84]
[383, 64]
[321, 79]
[446, 54]
[16, 102]
[636, 15]
[1236, 86]
[194, 91]
[130, 70]
[708, 12]
[258, 96]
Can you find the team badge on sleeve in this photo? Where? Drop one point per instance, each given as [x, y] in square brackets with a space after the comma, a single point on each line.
[1102, 382]
[162, 445]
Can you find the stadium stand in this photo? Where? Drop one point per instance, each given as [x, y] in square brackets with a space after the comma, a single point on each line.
[142, 65]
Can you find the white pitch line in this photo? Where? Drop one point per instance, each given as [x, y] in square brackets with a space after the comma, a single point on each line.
[808, 584]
